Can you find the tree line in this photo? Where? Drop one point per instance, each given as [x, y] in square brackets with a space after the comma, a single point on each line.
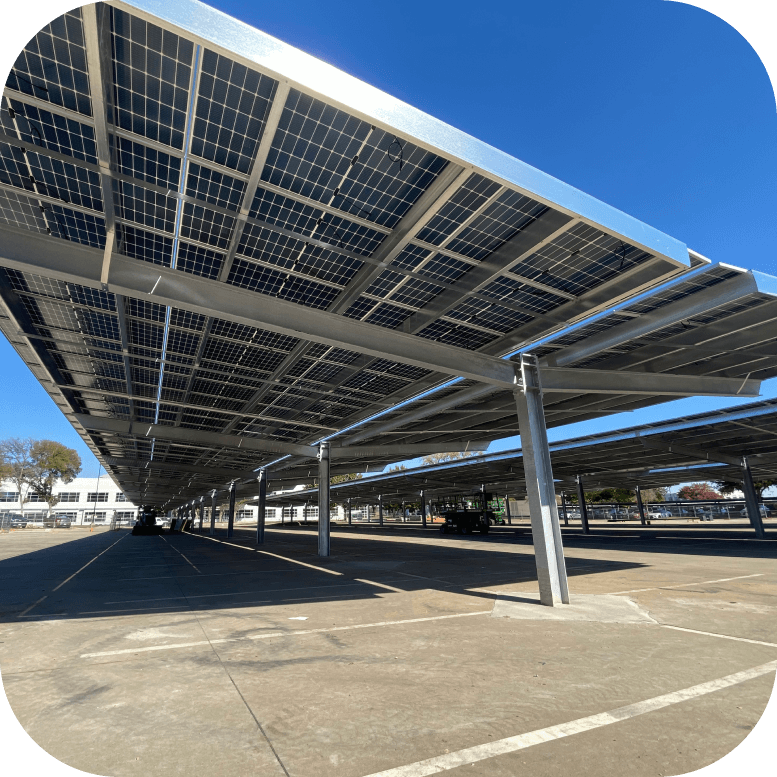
[35, 466]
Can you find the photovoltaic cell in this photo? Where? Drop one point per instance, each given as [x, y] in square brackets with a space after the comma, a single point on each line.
[489, 315]
[50, 130]
[152, 70]
[21, 211]
[146, 163]
[389, 176]
[313, 146]
[278, 284]
[580, 259]
[232, 105]
[198, 260]
[214, 187]
[472, 195]
[512, 290]
[68, 182]
[206, 226]
[143, 206]
[502, 220]
[52, 66]
[436, 266]
[73, 225]
[147, 246]
[456, 334]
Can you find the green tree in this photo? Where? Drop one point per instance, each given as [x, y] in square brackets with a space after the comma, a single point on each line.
[16, 464]
[728, 487]
[345, 478]
[51, 461]
[697, 492]
[606, 496]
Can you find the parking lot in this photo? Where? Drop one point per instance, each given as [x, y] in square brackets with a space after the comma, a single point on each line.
[406, 652]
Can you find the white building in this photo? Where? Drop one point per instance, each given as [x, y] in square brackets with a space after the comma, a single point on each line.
[83, 500]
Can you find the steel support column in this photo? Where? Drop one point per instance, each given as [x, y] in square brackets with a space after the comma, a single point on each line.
[262, 507]
[380, 509]
[546, 531]
[350, 522]
[751, 500]
[581, 502]
[507, 510]
[202, 511]
[640, 506]
[231, 509]
[213, 512]
[565, 508]
[423, 508]
[323, 499]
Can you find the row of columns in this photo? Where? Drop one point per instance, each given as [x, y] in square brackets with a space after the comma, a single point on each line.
[540, 491]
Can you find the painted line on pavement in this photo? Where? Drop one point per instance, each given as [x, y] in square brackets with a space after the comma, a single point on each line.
[684, 585]
[721, 636]
[267, 553]
[472, 755]
[276, 634]
[67, 580]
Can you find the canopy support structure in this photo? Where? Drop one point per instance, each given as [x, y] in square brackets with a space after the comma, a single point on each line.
[323, 500]
[546, 531]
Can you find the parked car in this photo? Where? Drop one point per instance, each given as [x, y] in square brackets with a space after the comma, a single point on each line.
[57, 522]
[16, 521]
[621, 514]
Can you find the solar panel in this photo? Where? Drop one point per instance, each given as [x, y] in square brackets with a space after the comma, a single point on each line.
[219, 172]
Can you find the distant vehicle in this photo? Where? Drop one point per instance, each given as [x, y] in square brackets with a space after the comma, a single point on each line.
[16, 521]
[620, 514]
[465, 514]
[57, 522]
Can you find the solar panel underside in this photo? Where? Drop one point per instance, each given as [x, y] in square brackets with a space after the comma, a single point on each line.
[220, 171]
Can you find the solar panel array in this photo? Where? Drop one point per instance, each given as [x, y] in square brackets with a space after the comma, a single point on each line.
[607, 460]
[219, 170]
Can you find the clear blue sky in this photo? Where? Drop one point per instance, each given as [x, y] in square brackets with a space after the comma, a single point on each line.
[657, 108]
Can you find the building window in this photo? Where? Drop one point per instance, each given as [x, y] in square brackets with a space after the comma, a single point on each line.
[97, 496]
[121, 498]
[240, 514]
[127, 515]
[33, 497]
[68, 496]
[72, 516]
[9, 496]
[94, 517]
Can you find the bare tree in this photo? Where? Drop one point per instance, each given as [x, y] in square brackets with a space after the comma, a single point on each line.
[441, 458]
[16, 464]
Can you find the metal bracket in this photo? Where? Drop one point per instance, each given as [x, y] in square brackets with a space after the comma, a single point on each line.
[527, 374]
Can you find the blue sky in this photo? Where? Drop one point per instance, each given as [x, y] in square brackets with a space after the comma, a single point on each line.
[657, 108]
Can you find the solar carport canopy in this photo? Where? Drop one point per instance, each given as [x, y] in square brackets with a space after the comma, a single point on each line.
[707, 446]
[217, 250]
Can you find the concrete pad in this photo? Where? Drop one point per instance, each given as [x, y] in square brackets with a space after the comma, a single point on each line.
[602, 608]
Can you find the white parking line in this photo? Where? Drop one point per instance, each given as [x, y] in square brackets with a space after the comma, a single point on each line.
[472, 755]
[267, 553]
[684, 585]
[275, 634]
[715, 634]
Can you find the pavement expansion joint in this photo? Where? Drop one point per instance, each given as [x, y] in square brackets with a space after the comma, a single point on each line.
[600, 608]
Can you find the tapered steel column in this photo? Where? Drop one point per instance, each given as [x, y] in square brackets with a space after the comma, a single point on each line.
[202, 511]
[231, 511]
[507, 510]
[546, 531]
[751, 500]
[581, 502]
[423, 508]
[213, 512]
[349, 511]
[323, 499]
[565, 508]
[640, 506]
[380, 509]
[261, 507]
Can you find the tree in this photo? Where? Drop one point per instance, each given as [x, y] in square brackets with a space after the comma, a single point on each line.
[345, 478]
[51, 461]
[653, 495]
[397, 468]
[441, 458]
[16, 464]
[606, 496]
[727, 487]
[698, 492]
